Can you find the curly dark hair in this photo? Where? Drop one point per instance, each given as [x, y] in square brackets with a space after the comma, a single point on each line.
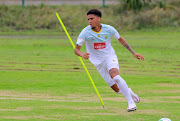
[95, 12]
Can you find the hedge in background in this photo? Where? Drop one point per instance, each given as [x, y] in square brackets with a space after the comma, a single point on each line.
[16, 18]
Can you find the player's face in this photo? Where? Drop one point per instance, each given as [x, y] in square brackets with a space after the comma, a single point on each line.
[93, 20]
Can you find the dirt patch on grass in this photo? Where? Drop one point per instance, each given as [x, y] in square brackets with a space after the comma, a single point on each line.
[150, 111]
[174, 75]
[164, 91]
[161, 99]
[74, 63]
[48, 100]
[6, 66]
[17, 109]
[26, 95]
[111, 109]
[123, 112]
[15, 95]
[159, 75]
[135, 70]
[75, 67]
[91, 108]
[173, 97]
[168, 85]
[28, 117]
[116, 99]
[42, 70]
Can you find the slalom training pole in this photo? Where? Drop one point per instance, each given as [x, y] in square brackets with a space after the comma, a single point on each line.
[80, 58]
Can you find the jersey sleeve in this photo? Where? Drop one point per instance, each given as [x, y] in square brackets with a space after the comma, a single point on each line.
[114, 32]
[81, 38]
[80, 41]
[116, 36]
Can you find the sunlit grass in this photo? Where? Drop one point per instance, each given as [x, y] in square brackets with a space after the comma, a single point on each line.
[42, 79]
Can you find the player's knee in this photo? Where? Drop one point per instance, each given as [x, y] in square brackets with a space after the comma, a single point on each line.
[116, 90]
[113, 72]
[113, 75]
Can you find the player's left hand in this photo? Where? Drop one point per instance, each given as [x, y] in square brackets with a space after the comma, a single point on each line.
[138, 56]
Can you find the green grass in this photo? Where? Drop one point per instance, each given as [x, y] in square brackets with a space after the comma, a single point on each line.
[38, 80]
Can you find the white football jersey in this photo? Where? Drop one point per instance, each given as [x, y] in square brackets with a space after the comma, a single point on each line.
[98, 44]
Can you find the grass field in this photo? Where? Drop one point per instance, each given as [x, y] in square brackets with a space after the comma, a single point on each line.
[42, 79]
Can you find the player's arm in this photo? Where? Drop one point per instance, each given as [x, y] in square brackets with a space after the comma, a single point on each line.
[79, 53]
[126, 45]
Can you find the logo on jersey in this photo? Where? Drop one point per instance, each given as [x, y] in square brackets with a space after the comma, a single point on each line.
[99, 46]
[106, 36]
[98, 35]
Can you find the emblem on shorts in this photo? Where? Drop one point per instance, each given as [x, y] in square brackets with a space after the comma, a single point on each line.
[105, 36]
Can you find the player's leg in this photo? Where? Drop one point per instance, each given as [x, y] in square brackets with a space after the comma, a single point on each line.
[105, 75]
[115, 87]
[104, 72]
[113, 67]
[124, 88]
[101, 68]
[134, 96]
[114, 73]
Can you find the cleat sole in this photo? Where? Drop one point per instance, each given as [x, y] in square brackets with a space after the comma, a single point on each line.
[133, 109]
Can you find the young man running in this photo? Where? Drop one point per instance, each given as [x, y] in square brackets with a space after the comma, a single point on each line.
[97, 38]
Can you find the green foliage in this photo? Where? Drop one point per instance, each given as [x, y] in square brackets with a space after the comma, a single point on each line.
[132, 4]
[136, 15]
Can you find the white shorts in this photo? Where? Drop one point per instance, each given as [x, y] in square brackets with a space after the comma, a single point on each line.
[105, 66]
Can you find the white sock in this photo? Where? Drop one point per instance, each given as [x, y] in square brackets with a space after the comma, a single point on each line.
[123, 87]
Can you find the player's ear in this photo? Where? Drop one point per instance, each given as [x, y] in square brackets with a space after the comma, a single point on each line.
[99, 18]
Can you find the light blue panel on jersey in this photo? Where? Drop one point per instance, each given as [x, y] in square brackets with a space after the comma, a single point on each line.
[105, 33]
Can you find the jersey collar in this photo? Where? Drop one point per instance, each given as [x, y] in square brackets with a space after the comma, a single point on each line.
[99, 31]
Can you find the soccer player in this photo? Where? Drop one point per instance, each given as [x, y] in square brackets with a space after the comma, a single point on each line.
[97, 37]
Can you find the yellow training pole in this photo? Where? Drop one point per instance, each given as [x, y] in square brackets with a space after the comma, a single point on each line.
[80, 58]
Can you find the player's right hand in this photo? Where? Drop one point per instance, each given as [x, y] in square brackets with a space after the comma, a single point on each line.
[138, 56]
[86, 55]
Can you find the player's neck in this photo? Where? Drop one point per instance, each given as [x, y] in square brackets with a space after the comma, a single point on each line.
[97, 28]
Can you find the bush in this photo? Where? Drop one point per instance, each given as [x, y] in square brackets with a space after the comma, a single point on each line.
[16, 18]
[132, 4]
